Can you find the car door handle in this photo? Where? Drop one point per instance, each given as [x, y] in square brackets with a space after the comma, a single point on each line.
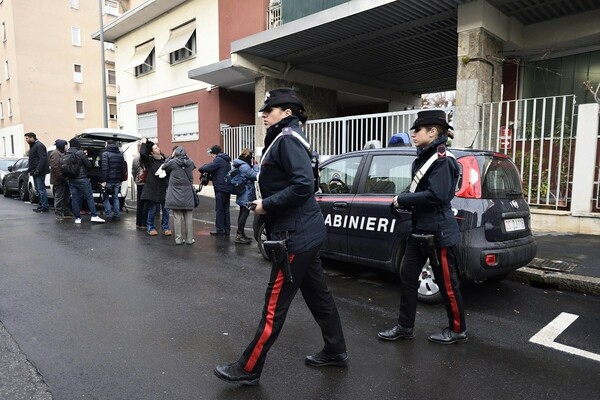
[340, 204]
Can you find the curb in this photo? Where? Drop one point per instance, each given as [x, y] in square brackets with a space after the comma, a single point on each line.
[559, 280]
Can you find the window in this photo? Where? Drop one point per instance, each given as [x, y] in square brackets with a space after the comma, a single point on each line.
[111, 7]
[75, 36]
[74, 4]
[109, 46]
[112, 111]
[182, 43]
[112, 77]
[143, 59]
[79, 109]
[10, 112]
[148, 125]
[389, 174]
[1, 111]
[3, 33]
[6, 71]
[338, 177]
[77, 73]
[185, 122]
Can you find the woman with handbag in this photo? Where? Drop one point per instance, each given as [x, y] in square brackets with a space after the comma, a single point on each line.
[247, 172]
[180, 194]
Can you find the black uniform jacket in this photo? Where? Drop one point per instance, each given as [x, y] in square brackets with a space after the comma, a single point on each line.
[431, 212]
[287, 189]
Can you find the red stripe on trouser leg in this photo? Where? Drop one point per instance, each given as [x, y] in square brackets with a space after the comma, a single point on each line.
[268, 329]
[449, 291]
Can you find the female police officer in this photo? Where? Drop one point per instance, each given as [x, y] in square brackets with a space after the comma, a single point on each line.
[434, 229]
[287, 201]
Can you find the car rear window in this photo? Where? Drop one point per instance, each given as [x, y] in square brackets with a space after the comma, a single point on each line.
[501, 179]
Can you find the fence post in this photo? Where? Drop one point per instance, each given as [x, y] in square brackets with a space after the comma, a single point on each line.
[585, 157]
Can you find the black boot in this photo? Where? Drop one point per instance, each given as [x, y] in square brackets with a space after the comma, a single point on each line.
[234, 373]
[396, 332]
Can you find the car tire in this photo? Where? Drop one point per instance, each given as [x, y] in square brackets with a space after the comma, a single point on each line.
[261, 236]
[33, 196]
[6, 192]
[428, 291]
[23, 191]
[498, 278]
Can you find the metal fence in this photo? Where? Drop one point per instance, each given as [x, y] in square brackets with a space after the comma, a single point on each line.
[539, 135]
[235, 139]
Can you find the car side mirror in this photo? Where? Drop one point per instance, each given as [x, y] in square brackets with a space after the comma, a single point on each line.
[10, 168]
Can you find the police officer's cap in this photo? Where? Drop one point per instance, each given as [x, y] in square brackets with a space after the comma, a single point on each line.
[281, 96]
[431, 117]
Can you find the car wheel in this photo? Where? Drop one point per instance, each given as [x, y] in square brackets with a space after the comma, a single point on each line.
[33, 196]
[498, 278]
[428, 291]
[23, 191]
[261, 236]
[6, 192]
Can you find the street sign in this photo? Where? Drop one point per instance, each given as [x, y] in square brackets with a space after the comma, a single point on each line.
[505, 138]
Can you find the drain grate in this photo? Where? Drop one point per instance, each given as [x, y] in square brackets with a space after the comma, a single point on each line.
[552, 265]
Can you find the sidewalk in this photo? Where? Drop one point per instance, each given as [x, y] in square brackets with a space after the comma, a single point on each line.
[564, 261]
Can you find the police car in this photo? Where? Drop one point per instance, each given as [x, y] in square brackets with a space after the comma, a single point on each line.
[356, 190]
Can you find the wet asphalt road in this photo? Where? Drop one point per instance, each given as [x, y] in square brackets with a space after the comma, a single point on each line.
[106, 312]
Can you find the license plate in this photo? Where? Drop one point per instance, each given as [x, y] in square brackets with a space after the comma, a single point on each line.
[515, 224]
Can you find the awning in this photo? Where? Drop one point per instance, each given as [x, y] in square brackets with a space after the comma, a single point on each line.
[225, 74]
[179, 37]
[141, 53]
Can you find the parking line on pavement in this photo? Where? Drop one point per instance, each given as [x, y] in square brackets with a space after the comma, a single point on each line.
[550, 332]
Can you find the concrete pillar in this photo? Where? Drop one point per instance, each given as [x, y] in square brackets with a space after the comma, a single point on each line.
[479, 79]
[319, 102]
[585, 158]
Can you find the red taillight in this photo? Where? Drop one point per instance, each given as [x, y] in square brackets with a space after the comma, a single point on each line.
[470, 187]
[491, 260]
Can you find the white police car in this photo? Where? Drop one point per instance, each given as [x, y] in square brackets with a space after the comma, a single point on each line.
[356, 190]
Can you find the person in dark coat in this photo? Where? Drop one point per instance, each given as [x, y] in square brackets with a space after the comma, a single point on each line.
[155, 188]
[80, 185]
[60, 186]
[287, 201]
[180, 194]
[139, 175]
[432, 216]
[218, 168]
[38, 168]
[248, 171]
[112, 165]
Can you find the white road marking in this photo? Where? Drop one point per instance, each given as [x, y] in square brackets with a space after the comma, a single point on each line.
[550, 332]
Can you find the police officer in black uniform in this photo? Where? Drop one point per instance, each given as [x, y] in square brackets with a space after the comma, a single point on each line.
[287, 201]
[435, 231]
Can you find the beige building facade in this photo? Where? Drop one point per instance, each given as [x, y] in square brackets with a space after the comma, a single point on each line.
[51, 75]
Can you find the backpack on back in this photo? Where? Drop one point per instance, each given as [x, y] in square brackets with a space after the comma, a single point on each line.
[235, 182]
[69, 165]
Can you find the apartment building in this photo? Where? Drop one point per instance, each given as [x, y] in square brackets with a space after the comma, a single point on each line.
[158, 42]
[51, 79]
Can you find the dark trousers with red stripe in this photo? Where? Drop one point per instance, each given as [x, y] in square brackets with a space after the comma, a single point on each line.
[307, 273]
[446, 278]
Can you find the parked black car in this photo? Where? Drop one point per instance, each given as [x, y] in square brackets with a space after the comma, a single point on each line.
[357, 188]
[15, 181]
[5, 162]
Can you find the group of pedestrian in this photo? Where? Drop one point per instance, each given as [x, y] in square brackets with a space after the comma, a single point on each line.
[295, 226]
[69, 192]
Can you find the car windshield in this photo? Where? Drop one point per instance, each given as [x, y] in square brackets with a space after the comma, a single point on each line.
[4, 164]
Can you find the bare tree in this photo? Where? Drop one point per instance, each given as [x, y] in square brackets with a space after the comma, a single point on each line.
[438, 100]
[590, 88]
